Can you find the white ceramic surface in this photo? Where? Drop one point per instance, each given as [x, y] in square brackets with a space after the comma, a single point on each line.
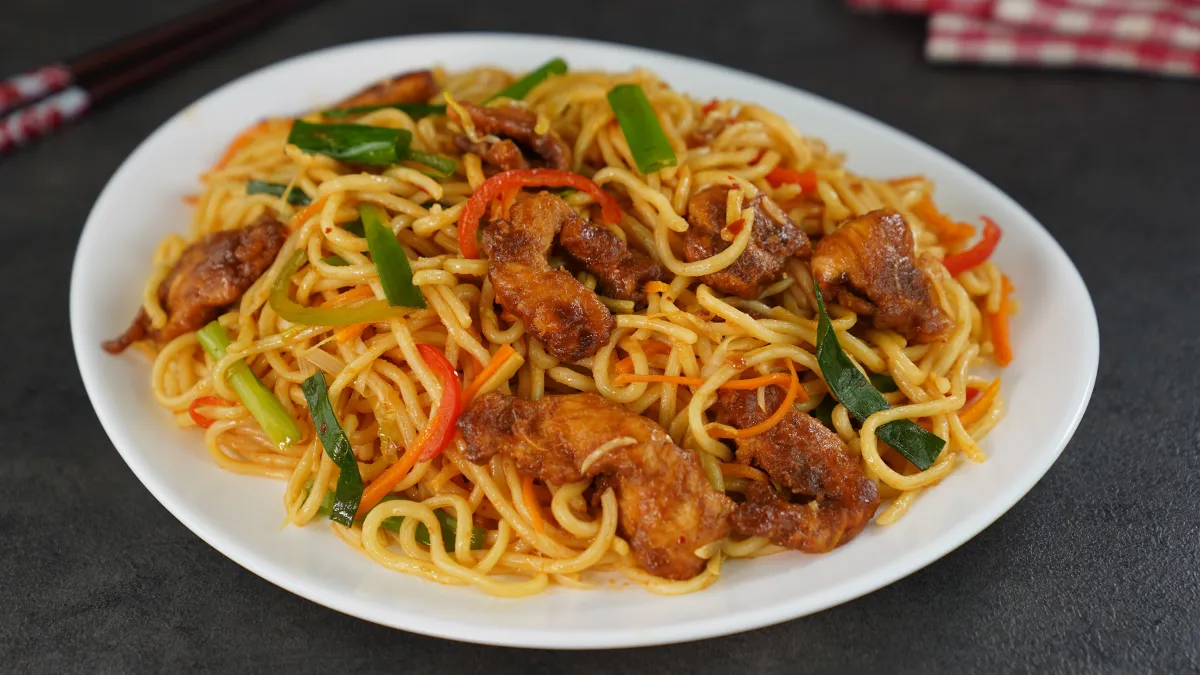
[1047, 386]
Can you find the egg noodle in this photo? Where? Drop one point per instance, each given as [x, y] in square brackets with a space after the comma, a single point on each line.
[384, 393]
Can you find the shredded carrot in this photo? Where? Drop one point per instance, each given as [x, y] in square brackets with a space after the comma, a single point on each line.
[507, 197]
[656, 287]
[307, 212]
[626, 378]
[531, 504]
[381, 486]
[974, 412]
[353, 295]
[347, 333]
[721, 431]
[241, 141]
[762, 381]
[493, 365]
[743, 471]
[948, 231]
[1001, 344]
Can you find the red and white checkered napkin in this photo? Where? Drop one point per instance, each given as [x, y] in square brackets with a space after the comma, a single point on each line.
[1154, 36]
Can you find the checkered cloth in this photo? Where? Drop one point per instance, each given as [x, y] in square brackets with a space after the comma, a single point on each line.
[1152, 36]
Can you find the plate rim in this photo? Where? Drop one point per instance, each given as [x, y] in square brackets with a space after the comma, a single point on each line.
[700, 628]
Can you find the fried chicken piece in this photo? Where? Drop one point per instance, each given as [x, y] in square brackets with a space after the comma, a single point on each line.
[668, 509]
[558, 310]
[809, 461]
[774, 239]
[622, 271]
[415, 87]
[873, 255]
[211, 274]
[513, 127]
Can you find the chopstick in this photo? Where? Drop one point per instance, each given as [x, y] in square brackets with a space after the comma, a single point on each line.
[83, 82]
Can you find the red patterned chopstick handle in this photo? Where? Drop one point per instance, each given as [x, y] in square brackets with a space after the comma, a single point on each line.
[26, 88]
[23, 126]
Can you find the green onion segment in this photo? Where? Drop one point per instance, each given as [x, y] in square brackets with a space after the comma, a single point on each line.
[854, 391]
[274, 419]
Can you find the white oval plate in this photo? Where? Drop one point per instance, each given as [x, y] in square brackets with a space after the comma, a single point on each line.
[1047, 386]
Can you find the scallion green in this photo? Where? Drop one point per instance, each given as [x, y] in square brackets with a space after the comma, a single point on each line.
[337, 446]
[517, 90]
[854, 391]
[270, 414]
[413, 110]
[443, 166]
[449, 528]
[395, 273]
[354, 143]
[295, 196]
[643, 133]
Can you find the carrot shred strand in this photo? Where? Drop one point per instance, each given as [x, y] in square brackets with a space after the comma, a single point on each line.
[974, 412]
[743, 471]
[493, 366]
[531, 504]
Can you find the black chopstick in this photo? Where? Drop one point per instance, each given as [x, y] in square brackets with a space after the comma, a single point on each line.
[83, 82]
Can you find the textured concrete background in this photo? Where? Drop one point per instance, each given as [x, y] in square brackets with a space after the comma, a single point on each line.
[1095, 570]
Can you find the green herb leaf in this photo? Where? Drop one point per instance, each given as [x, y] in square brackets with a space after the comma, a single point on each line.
[286, 308]
[449, 528]
[270, 414]
[295, 196]
[517, 90]
[854, 391]
[643, 133]
[354, 143]
[443, 166]
[414, 110]
[395, 274]
[337, 446]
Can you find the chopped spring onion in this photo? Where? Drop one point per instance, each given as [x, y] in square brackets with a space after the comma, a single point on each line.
[643, 133]
[335, 260]
[354, 227]
[337, 446]
[449, 528]
[395, 274]
[290, 310]
[354, 143]
[368, 145]
[295, 196]
[517, 90]
[884, 384]
[262, 404]
[847, 383]
[443, 166]
[413, 110]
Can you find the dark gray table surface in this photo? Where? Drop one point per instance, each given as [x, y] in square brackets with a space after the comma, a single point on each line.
[1094, 570]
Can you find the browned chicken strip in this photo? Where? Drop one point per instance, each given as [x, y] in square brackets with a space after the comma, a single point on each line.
[774, 239]
[668, 509]
[515, 127]
[809, 461]
[873, 255]
[556, 309]
[415, 87]
[211, 274]
[621, 270]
